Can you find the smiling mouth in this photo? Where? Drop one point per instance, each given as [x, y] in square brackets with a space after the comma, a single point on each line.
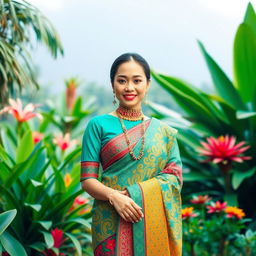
[129, 97]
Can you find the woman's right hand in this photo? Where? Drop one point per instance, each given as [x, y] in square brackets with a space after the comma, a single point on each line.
[126, 207]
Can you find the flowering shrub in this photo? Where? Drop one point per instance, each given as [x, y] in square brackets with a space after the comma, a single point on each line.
[40, 180]
[214, 229]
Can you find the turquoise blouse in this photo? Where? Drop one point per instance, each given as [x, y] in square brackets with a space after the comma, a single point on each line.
[98, 132]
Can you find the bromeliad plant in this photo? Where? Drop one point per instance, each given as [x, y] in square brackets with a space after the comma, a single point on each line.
[230, 113]
[52, 217]
[68, 111]
[214, 228]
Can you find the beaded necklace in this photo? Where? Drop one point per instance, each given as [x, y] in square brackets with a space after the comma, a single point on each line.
[127, 139]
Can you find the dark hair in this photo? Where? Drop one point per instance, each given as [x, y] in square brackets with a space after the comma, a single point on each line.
[129, 57]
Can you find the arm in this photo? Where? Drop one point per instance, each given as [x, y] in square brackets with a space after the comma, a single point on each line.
[124, 205]
[90, 162]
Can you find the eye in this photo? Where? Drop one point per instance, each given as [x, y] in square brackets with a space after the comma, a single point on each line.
[137, 81]
[121, 81]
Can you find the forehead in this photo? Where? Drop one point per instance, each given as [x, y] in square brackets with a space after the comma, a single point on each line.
[130, 68]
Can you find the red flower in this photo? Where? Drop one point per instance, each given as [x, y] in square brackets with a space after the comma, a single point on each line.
[216, 207]
[111, 243]
[200, 199]
[37, 136]
[20, 114]
[64, 142]
[5, 254]
[223, 150]
[57, 235]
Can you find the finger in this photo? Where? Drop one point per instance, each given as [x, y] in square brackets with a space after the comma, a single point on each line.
[135, 214]
[128, 217]
[138, 209]
[123, 217]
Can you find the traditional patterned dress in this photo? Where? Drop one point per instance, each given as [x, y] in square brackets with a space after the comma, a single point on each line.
[154, 182]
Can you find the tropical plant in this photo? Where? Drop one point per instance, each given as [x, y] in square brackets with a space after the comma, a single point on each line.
[40, 179]
[18, 19]
[230, 113]
[214, 228]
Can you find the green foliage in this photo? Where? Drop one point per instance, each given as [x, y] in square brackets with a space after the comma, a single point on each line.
[41, 181]
[212, 234]
[18, 19]
[230, 111]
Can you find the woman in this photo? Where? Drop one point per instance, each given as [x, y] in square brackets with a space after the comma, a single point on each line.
[137, 206]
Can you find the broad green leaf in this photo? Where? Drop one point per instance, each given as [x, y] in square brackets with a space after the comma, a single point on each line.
[48, 239]
[39, 246]
[21, 167]
[36, 207]
[244, 114]
[197, 110]
[46, 224]
[12, 245]
[250, 17]
[6, 218]
[81, 221]
[5, 172]
[223, 85]
[245, 63]
[8, 145]
[238, 177]
[25, 147]
[76, 243]
[36, 183]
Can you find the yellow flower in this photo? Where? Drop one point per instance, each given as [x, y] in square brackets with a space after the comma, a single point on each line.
[67, 179]
[233, 211]
[188, 212]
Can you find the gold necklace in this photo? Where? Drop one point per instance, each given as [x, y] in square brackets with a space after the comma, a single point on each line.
[128, 141]
[129, 114]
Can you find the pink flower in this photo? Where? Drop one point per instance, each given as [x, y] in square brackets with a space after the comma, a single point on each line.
[79, 200]
[223, 150]
[216, 207]
[21, 115]
[57, 235]
[64, 142]
[200, 199]
[37, 136]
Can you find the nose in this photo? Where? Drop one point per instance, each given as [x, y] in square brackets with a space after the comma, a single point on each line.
[129, 86]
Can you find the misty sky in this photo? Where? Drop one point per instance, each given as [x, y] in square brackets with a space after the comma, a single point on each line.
[164, 32]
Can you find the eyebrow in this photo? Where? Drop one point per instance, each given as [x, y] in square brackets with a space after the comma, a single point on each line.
[126, 76]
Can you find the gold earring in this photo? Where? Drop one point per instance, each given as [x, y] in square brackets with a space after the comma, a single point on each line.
[114, 101]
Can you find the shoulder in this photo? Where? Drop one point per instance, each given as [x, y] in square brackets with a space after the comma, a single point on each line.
[97, 120]
[169, 130]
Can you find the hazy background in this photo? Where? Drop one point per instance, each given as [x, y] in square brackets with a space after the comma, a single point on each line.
[165, 32]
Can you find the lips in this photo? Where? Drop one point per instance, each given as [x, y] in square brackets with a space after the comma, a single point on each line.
[129, 96]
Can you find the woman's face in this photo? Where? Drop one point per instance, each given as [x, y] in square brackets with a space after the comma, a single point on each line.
[130, 85]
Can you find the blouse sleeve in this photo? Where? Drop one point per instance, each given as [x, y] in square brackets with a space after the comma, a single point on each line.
[174, 164]
[91, 145]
